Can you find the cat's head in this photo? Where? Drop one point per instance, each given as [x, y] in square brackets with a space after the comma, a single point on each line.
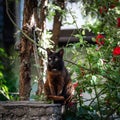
[55, 60]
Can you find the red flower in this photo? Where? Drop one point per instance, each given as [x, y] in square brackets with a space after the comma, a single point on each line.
[118, 22]
[70, 104]
[75, 85]
[116, 51]
[100, 39]
[103, 9]
[113, 5]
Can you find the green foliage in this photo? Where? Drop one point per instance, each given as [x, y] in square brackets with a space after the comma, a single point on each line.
[52, 8]
[3, 87]
[95, 68]
[7, 79]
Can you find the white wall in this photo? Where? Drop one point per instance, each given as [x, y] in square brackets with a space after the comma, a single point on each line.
[75, 9]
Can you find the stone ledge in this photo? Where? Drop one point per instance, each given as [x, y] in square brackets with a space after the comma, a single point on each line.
[26, 103]
[29, 110]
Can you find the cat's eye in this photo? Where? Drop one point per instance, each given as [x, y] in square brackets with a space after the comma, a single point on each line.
[56, 59]
[49, 58]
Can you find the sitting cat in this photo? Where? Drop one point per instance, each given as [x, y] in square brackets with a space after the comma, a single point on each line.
[58, 85]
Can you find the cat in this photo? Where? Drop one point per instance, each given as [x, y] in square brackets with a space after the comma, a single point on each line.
[58, 85]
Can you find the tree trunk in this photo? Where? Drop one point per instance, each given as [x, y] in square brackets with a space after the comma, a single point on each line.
[26, 49]
[57, 22]
[40, 16]
[40, 19]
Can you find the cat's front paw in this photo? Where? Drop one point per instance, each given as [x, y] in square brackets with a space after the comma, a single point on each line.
[54, 97]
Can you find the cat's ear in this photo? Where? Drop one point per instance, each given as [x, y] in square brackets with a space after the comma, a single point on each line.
[48, 51]
[61, 52]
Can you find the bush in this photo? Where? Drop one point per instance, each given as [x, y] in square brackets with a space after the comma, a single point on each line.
[96, 68]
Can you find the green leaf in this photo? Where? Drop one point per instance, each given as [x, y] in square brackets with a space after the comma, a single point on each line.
[83, 32]
[1, 75]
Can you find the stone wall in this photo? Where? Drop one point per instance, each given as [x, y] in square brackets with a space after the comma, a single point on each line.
[26, 110]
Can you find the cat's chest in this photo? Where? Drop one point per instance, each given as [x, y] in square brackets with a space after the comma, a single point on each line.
[56, 79]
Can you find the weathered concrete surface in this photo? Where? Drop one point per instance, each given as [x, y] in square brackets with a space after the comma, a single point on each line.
[27, 110]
